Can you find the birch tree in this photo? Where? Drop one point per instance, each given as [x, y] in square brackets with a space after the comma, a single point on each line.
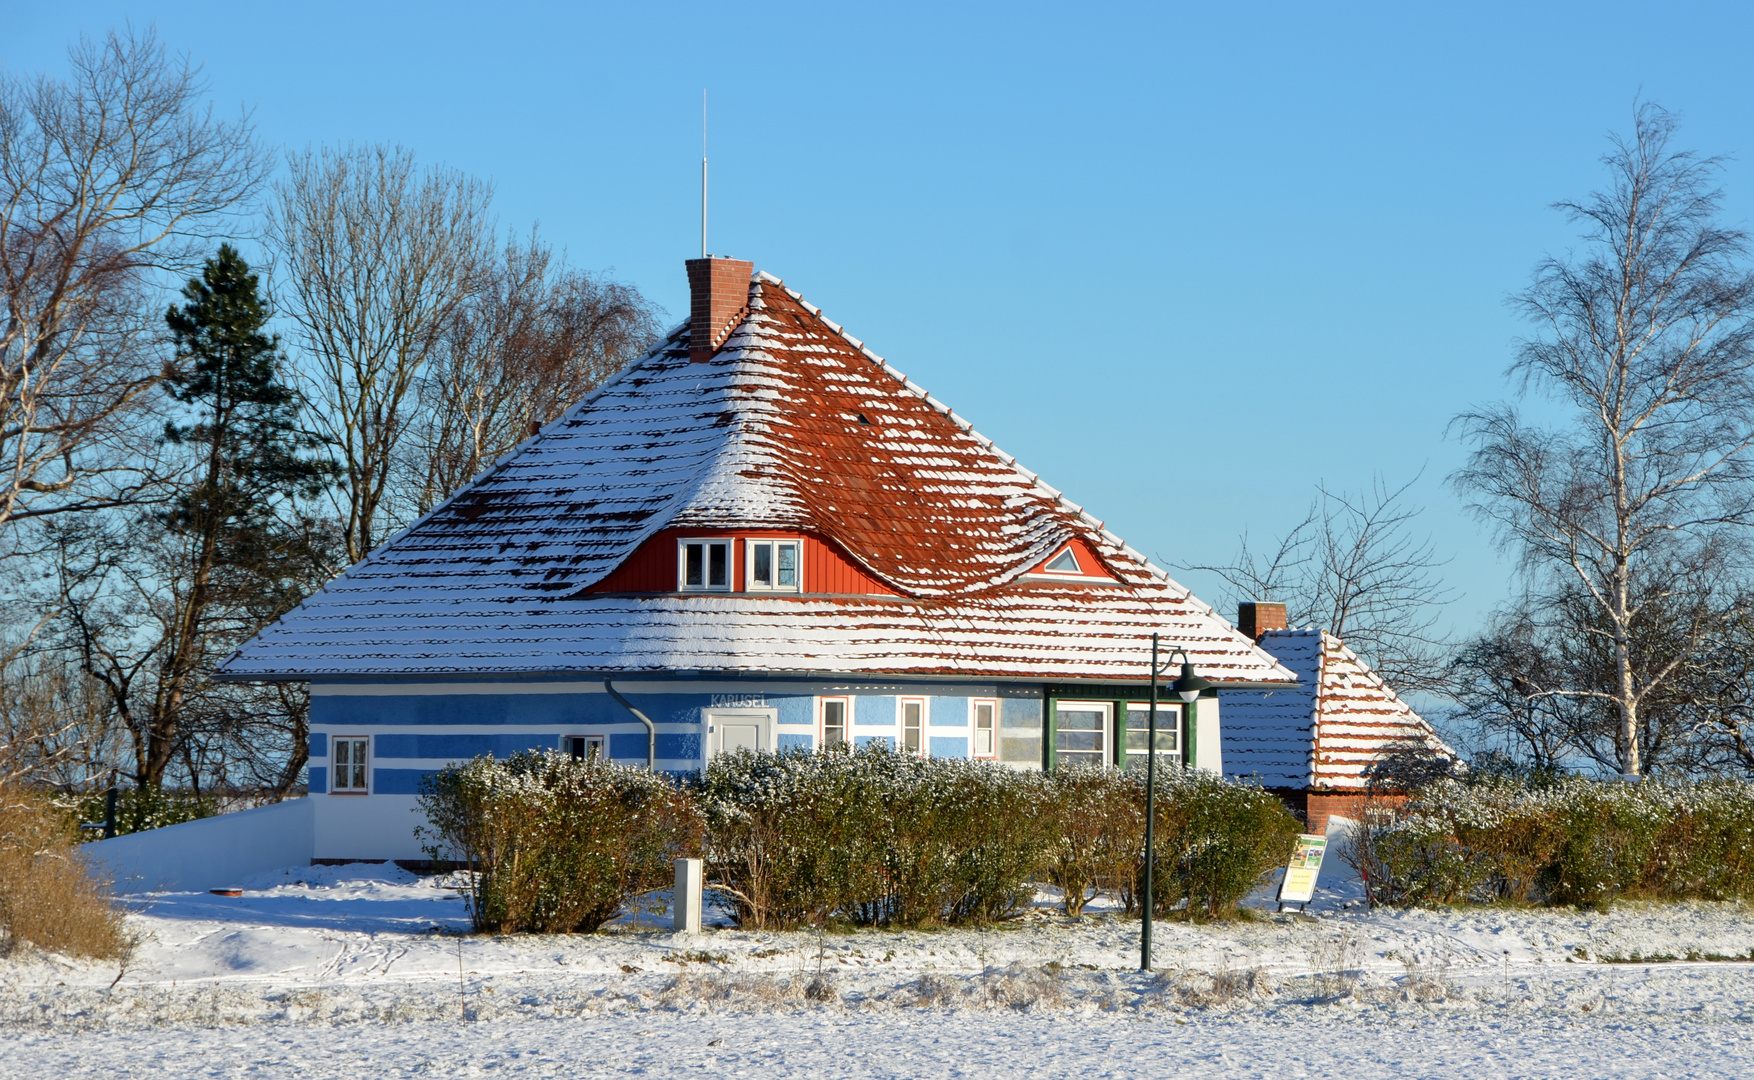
[109, 176]
[1641, 486]
[374, 257]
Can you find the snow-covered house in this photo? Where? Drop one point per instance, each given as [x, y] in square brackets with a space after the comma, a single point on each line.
[1321, 743]
[758, 534]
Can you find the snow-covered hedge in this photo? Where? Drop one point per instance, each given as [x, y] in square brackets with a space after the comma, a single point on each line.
[868, 838]
[1570, 841]
[881, 838]
[558, 845]
[874, 837]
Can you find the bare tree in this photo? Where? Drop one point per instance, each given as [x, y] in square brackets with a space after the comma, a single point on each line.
[533, 338]
[1645, 337]
[374, 258]
[1354, 567]
[108, 178]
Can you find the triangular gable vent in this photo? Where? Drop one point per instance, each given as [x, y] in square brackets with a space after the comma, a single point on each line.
[1064, 563]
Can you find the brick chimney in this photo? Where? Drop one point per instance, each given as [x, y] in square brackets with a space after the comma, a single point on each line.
[718, 291]
[1256, 617]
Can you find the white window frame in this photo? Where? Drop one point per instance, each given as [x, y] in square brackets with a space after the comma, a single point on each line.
[846, 720]
[706, 563]
[1069, 549]
[974, 729]
[1169, 718]
[924, 747]
[773, 544]
[594, 746]
[340, 782]
[1104, 730]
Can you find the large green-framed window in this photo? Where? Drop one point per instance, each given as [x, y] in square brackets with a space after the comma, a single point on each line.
[1110, 728]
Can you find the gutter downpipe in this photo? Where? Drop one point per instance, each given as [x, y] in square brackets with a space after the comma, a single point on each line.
[651, 728]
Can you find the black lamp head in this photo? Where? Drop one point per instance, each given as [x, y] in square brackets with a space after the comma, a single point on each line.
[1189, 686]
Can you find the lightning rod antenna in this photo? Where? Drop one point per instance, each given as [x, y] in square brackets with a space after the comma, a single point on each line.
[702, 172]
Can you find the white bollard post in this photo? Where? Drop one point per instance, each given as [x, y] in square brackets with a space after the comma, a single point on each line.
[685, 901]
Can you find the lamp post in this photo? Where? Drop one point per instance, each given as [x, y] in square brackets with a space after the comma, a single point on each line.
[1187, 687]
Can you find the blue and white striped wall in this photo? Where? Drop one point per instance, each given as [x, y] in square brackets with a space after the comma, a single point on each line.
[415, 729]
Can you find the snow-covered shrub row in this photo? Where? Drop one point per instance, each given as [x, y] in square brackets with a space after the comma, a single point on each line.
[48, 897]
[869, 838]
[558, 844]
[877, 837]
[1570, 841]
[874, 837]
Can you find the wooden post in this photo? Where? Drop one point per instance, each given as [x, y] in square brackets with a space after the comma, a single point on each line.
[685, 901]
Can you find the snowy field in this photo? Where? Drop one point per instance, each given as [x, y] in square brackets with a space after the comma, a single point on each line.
[352, 971]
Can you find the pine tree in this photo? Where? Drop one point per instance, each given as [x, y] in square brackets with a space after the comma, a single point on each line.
[230, 534]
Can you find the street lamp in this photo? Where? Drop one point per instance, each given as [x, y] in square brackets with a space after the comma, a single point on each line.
[1187, 687]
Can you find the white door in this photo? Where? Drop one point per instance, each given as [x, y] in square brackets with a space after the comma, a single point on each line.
[730, 730]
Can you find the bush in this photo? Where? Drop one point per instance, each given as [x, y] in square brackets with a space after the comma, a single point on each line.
[558, 845]
[139, 809]
[47, 895]
[1216, 840]
[1101, 826]
[873, 837]
[1575, 841]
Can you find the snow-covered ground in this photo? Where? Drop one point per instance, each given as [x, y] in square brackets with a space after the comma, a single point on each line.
[354, 970]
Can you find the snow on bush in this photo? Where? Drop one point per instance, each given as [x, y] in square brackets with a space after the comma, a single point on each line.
[873, 837]
[558, 845]
[1568, 841]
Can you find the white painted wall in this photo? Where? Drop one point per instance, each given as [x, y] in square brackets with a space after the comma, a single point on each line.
[1208, 743]
[367, 827]
[210, 853]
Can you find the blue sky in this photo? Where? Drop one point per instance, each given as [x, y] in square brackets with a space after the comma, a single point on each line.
[1186, 261]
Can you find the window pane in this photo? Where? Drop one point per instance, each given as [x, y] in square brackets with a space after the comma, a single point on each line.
[788, 574]
[1168, 728]
[718, 575]
[1073, 758]
[763, 563]
[834, 723]
[694, 575]
[1082, 733]
[1082, 718]
[983, 742]
[359, 768]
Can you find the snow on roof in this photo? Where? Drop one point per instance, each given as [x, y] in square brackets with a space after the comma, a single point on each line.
[792, 424]
[1326, 732]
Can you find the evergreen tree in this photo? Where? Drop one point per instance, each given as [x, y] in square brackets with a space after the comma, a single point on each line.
[230, 540]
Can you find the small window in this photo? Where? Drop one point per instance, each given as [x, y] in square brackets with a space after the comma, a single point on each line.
[583, 747]
[986, 729]
[1081, 732]
[706, 566]
[773, 565]
[1169, 729]
[913, 725]
[1066, 562]
[350, 766]
[834, 723]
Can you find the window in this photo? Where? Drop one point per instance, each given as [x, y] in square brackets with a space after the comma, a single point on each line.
[773, 565]
[350, 771]
[1066, 562]
[986, 729]
[834, 723]
[706, 565]
[1169, 730]
[913, 725]
[1081, 732]
[582, 747]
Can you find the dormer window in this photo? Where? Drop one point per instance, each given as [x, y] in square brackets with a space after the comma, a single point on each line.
[774, 565]
[1066, 562]
[705, 565]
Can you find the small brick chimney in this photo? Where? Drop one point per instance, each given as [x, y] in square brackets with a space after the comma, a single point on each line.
[718, 291]
[1256, 617]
